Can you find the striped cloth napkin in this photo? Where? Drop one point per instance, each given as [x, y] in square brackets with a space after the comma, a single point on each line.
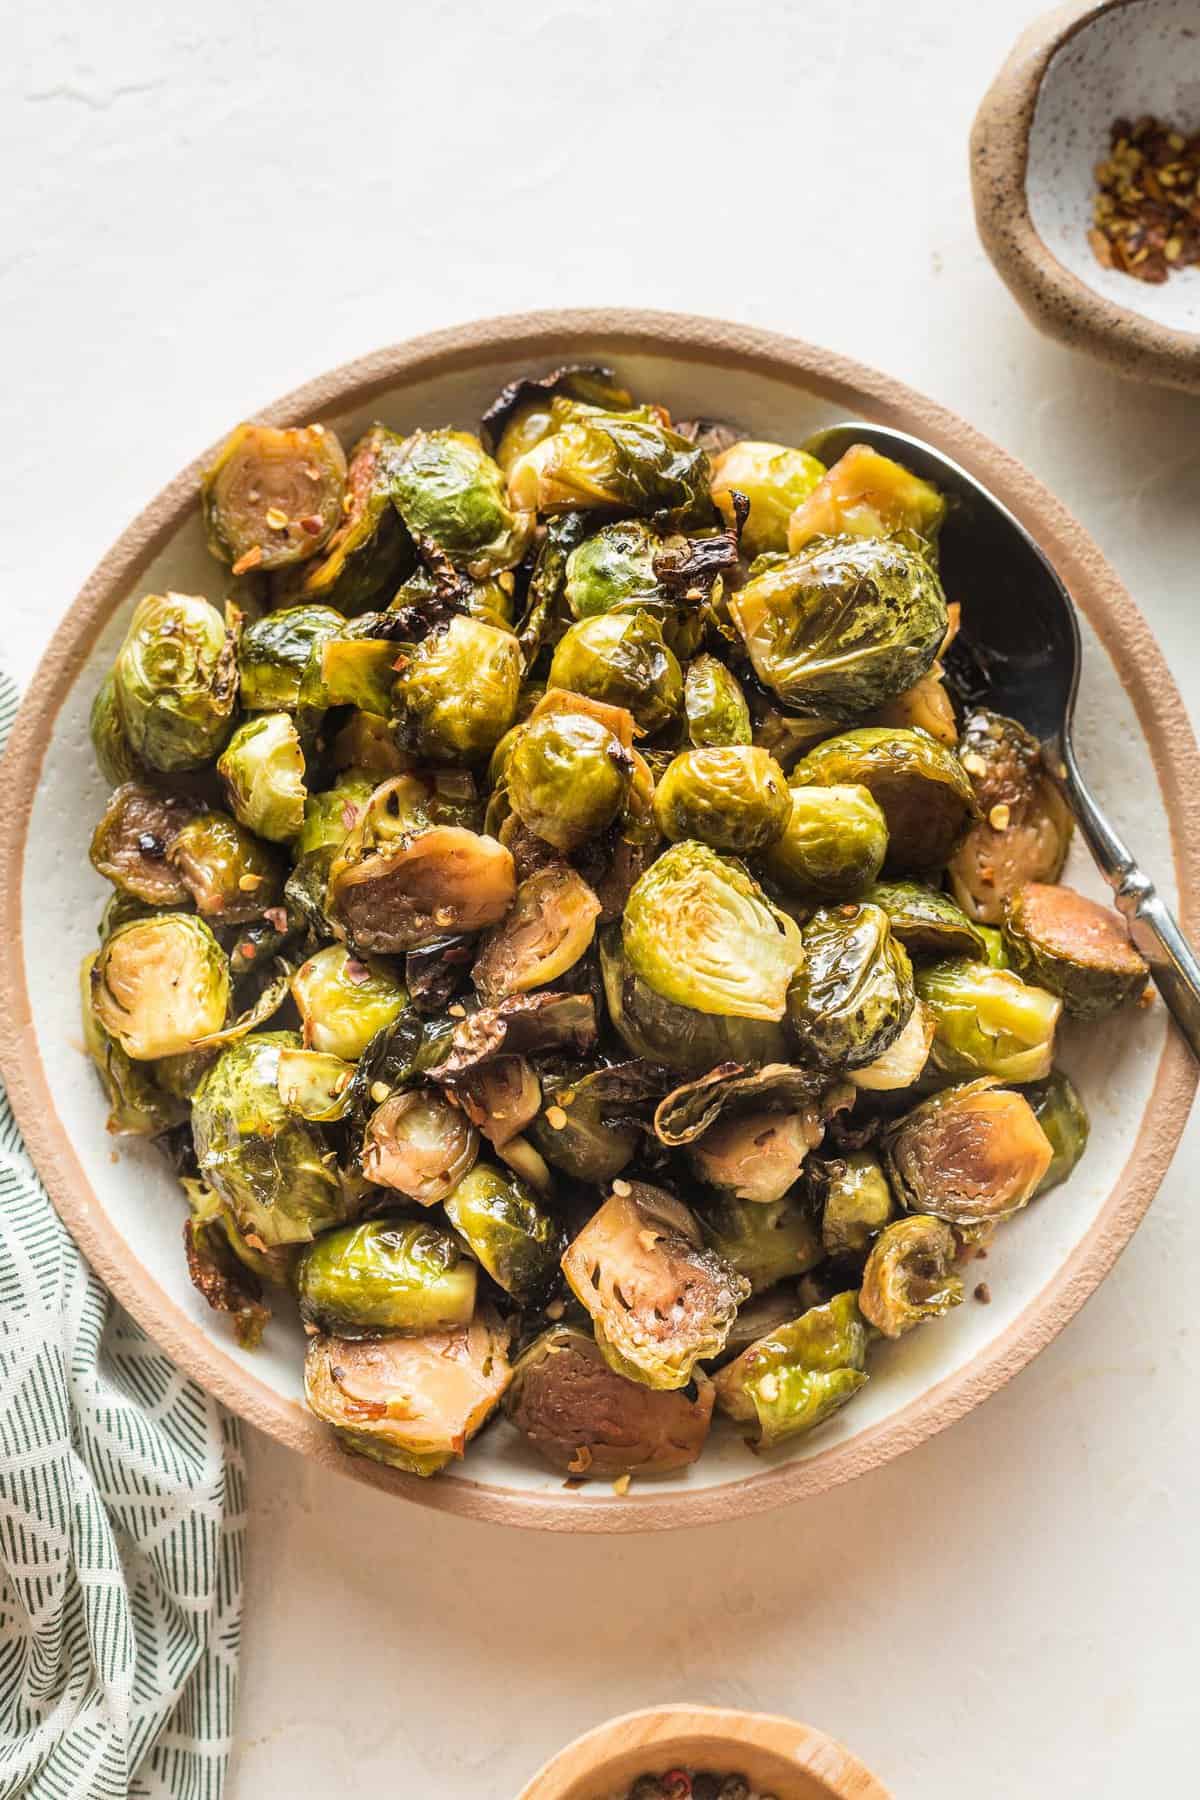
[121, 1521]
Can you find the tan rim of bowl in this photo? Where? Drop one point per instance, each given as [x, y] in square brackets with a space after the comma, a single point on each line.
[791, 1761]
[858, 391]
[1054, 299]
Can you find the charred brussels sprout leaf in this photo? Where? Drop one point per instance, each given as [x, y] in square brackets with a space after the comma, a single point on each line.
[521, 414]
[621, 659]
[343, 1002]
[388, 1275]
[370, 551]
[832, 846]
[1076, 948]
[909, 1275]
[700, 931]
[767, 1243]
[715, 705]
[584, 1419]
[1024, 826]
[262, 769]
[1062, 1116]
[451, 497]
[175, 679]
[273, 496]
[853, 992]
[161, 984]
[132, 843]
[774, 479]
[550, 926]
[688, 1111]
[588, 1126]
[795, 1378]
[682, 1037]
[419, 1145]
[843, 626]
[921, 788]
[217, 1272]
[273, 654]
[868, 495]
[412, 1402]
[732, 797]
[516, 1240]
[969, 1155]
[613, 461]
[229, 874]
[518, 1026]
[855, 1201]
[988, 1021]
[458, 691]
[567, 777]
[928, 922]
[138, 1106]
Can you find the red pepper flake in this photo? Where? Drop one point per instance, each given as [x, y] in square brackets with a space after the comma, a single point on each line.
[250, 561]
[677, 1785]
[983, 1294]
[311, 524]
[356, 972]
[349, 815]
[277, 916]
[1146, 212]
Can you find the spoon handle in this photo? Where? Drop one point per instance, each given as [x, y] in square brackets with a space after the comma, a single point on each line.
[1152, 925]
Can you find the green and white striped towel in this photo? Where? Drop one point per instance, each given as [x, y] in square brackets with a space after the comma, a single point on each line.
[121, 1521]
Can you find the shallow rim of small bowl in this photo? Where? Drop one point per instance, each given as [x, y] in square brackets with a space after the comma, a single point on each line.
[764, 1747]
[1054, 299]
[550, 337]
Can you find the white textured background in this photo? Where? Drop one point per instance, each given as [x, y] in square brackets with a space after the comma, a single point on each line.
[202, 207]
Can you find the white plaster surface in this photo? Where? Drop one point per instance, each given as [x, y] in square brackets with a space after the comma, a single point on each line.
[203, 208]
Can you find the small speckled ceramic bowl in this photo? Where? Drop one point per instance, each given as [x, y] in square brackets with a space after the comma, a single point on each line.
[1043, 125]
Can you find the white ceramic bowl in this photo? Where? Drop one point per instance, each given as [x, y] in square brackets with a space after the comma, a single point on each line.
[124, 1206]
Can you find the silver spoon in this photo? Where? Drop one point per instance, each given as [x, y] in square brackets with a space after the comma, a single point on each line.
[1021, 629]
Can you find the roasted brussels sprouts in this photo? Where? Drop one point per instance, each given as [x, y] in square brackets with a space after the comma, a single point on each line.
[229, 874]
[269, 1166]
[412, 1402]
[500, 1097]
[450, 495]
[114, 756]
[987, 1021]
[521, 414]
[774, 479]
[682, 1037]
[273, 495]
[273, 654]
[1023, 826]
[161, 984]
[567, 777]
[262, 768]
[852, 994]
[756, 1156]
[928, 922]
[799, 1375]
[855, 1201]
[614, 461]
[969, 1155]
[138, 1106]
[1062, 1116]
[688, 1111]
[1074, 947]
[131, 844]
[832, 846]
[458, 691]
[218, 1273]
[612, 568]
[767, 1243]
[731, 797]
[343, 1002]
[909, 1275]
[659, 1302]
[314, 1084]
[518, 1026]
[621, 658]
[868, 495]
[516, 1240]
[585, 1127]
[589, 1422]
[370, 551]
[842, 627]
[394, 893]
[551, 924]
[715, 705]
[330, 816]
[420, 1145]
[904, 1060]
[701, 932]
[388, 1275]
[175, 680]
[925, 706]
[921, 787]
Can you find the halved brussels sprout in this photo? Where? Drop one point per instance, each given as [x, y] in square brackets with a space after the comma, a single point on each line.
[756, 1156]
[904, 1060]
[928, 922]
[231, 876]
[1063, 1117]
[589, 1422]
[262, 769]
[216, 1271]
[370, 551]
[1074, 947]
[731, 796]
[925, 706]
[343, 1002]
[269, 1166]
[396, 894]
[352, 668]
[273, 654]
[921, 787]
[420, 1145]
[988, 1021]
[516, 1240]
[774, 479]
[314, 1084]
[273, 495]
[969, 1155]
[551, 924]
[621, 659]
[331, 816]
[683, 1038]
[909, 1275]
[517, 1026]
[412, 1402]
[388, 1275]
[659, 1302]
[451, 496]
[175, 680]
[568, 777]
[586, 1127]
[1024, 825]
[843, 626]
[852, 995]
[868, 495]
[500, 1097]
[114, 754]
[615, 461]
[520, 415]
[855, 1201]
[161, 984]
[715, 705]
[799, 1375]
[458, 691]
[131, 845]
[699, 930]
[366, 742]
[832, 846]
[612, 568]
[138, 1107]
[767, 1243]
